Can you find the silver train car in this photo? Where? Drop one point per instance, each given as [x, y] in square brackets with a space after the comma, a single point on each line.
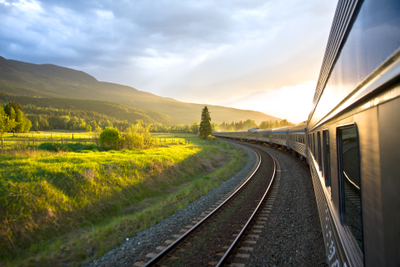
[351, 140]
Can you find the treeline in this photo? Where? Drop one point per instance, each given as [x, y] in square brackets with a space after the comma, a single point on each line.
[68, 119]
[247, 124]
[44, 119]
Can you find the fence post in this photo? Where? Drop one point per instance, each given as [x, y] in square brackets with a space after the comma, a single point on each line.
[33, 141]
[72, 136]
[85, 141]
[2, 151]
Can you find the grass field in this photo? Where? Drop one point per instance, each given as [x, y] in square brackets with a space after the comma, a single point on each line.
[68, 207]
[20, 141]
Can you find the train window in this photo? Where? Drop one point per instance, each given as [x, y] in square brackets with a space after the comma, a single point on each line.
[319, 151]
[310, 141]
[350, 182]
[327, 160]
[313, 141]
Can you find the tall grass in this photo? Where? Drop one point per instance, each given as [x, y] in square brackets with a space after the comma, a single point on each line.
[47, 194]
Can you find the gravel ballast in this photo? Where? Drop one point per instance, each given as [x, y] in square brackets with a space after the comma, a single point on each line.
[147, 241]
[292, 235]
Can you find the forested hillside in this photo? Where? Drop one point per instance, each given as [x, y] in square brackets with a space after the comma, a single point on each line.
[64, 113]
[48, 80]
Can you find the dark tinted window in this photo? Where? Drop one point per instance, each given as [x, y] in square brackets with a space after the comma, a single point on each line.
[327, 160]
[350, 182]
[319, 150]
[314, 143]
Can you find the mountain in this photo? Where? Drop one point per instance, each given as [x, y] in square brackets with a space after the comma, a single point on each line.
[113, 111]
[47, 80]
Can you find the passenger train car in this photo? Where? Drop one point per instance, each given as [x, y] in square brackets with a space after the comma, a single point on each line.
[351, 139]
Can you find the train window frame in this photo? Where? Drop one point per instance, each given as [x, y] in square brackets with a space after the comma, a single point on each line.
[342, 196]
[319, 155]
[326, 170]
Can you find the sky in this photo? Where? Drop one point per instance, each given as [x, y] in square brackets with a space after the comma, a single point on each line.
[248, 54]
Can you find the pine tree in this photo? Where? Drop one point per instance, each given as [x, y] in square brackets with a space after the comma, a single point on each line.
[205, 124]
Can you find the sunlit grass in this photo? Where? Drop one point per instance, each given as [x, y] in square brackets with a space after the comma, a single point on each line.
[19, 141]
[48, 194]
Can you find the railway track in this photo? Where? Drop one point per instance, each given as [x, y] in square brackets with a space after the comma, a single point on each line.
[226, 233]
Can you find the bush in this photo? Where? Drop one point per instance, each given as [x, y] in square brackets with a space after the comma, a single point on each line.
[111, 138]
[138, 136]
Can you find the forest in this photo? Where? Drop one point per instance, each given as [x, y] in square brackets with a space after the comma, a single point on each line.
[247, 124]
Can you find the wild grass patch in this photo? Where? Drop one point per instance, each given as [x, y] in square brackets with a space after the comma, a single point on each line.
[68, 207]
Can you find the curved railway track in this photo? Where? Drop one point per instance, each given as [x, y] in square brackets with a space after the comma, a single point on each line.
[214, 237]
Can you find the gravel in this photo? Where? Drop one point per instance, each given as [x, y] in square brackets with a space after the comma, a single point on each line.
[146, 241]
[292, 235]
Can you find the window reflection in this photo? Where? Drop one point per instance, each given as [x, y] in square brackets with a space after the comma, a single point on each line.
[350, 183]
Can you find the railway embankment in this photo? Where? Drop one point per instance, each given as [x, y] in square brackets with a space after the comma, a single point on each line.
[81, 205]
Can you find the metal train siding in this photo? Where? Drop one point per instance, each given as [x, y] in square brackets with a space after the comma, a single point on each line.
[351, 139]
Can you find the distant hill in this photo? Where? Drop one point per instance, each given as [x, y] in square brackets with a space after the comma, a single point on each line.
[114, 111]
[53, 81]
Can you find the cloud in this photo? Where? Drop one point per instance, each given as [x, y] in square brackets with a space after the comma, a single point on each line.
[196, 51]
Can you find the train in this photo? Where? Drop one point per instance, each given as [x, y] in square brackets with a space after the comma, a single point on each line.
[351, 138]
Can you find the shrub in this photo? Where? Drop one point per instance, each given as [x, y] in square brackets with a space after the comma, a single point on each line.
[138, 136]
[111, 138]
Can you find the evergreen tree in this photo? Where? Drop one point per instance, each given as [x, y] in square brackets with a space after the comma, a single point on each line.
[205, 128]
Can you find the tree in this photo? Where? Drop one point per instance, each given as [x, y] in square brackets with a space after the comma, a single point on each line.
[195, 127]
[249, 124]
[111, 138]
[26, 125]
[265, 125]
[6, 124]
[15, 106]
[12, 115]
[205, 124]
[13, 119]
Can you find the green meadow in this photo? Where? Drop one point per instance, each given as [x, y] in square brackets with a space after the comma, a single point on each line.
[62, 207]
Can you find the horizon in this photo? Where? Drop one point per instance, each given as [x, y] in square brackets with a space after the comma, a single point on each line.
[238, 55]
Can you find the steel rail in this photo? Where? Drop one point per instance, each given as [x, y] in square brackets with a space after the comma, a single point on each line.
[236, 241]
[173, 245]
